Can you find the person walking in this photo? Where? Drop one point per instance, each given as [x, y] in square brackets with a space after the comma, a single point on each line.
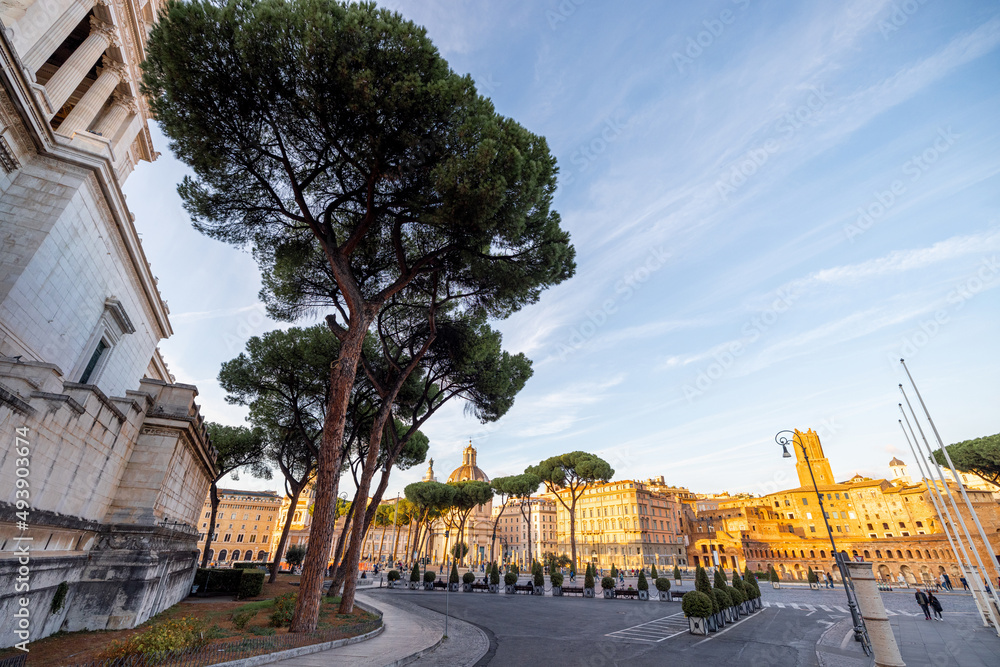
[965, 584]
[829, 580]
[947, 581]
[935, 604]
[923, 602]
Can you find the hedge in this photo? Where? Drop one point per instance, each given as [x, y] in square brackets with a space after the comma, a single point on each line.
[251, 584]
[243, 583]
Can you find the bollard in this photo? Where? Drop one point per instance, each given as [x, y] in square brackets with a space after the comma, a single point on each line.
[873, 611]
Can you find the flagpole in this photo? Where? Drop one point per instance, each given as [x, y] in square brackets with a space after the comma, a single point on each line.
[961, 488]
[961, 558]
[961, 520]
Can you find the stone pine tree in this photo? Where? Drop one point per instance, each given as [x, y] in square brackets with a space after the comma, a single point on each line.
[572, 472]
[238, 448]
[500, 488]
[432, 499]
[522, 487]
[282, 378]
[980, 457]
[469, 494]
[330, 133]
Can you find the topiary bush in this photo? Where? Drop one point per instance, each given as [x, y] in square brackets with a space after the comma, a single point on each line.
[510, 579]
[662, 584]
[495, 575]
[722, 598]
[736, 595]
[614, 571]
[811, 577]
[415, 572]
[720, 578]
[429, 577]
[468, 578]
[588, 579]
[453, 577]
[607, 582]
[643, 585]
[538, 578]
[251, 584]
[653, 574]
[393, 575]
[696, 604]
[213, 580]
[556, 578]
[772, 575]
[677, 573]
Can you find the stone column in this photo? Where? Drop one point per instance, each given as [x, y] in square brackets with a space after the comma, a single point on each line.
[68, 77]
[122, 106]
[86, 110]
[873, 611]
[45, 26]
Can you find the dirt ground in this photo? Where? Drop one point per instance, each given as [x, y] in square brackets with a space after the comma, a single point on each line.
[71, 648]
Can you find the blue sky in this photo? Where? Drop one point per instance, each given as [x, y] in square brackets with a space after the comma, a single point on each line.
[770, 203]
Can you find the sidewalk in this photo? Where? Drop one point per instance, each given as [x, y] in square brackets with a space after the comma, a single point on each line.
[406, 635]
[959, 641]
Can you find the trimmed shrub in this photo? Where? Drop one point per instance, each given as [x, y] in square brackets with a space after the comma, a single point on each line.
[251, 584]
[653, 574]
[393, 575]
[284, 608]
[697, 604]
[701, 584]
[495, 575]
[453, 577]
[643, 585]
[720, 578]
[677, 572]
[811, 577]
[537, 577]
[245, 564]
[662, 584]
[415, 572]
[771, 574]
[736, 595]
[614, 571]
[722, 598]
[468, 578]
[556, 578]
[219, 580]
[510, 578]
[607, 582]
[429, 577]
[588, 579]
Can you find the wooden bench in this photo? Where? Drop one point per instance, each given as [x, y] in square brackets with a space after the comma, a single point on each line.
[480, 587]
[627, 593]
[440, 584]
[572, 590]
[526, 588]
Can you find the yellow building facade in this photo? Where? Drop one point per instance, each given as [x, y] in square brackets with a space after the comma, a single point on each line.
[244, 526]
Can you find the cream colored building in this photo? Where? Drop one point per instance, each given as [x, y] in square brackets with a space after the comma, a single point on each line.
[244, 526]
[119, 458]
[512, 535]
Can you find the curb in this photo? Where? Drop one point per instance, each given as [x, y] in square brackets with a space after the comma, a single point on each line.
[269, 658]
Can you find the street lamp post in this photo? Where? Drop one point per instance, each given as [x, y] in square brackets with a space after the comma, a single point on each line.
[447, 591]
[860, 632]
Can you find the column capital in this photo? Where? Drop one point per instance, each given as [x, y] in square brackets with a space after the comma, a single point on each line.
[99, 27]
[110, 66]
[127, 102]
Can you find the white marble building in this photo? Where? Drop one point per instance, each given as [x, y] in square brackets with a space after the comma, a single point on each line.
[119, 461]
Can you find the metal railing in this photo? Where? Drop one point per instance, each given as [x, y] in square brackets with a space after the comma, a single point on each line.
[14, 660]
[212, 654]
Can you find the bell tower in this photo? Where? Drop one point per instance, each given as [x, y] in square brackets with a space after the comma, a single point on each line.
[820, 464]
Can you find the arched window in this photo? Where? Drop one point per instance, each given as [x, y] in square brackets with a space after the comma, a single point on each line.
[909, 554]
[211, 554]
[222, 556]
[878, 553]
[812, 554]
[919, 555]
[802, 553]
[867, 555]
[236, 555]
[899, 554]
[822, 553]
[262, 555]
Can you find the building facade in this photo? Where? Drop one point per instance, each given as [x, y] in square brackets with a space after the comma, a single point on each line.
[118, 458]
[244, 526]
[526, 530]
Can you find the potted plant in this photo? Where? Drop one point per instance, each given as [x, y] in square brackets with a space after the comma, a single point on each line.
[724, 603]
[588, 582]
[663, 586]
[702, 584]
[754, 588]
[538, 580]
[494, 579]
[429, 579]
[556, 579]
[392, 578]
[509, 580]
[414, 576]
[467, 580]
[773, 577]
[813, 580]
[736, 600]
[653, 574]
[608, 587]
[643, 586]
[697, 607]
[453, 578]
[677, 576]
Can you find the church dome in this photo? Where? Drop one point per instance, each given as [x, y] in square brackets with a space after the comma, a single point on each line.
[468, 470]
[896, 462]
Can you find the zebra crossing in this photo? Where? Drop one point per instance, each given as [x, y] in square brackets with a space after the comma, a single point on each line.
[654, 631]
[831, 608]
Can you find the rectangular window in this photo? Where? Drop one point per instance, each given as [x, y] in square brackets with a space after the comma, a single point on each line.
[809, 515]
[227, 537]
[253, 538]
[92, 364]
[805, 501]
[812, 529]
[838, 529]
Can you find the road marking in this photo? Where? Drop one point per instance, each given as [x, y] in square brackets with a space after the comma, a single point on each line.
[722, 632]
[824, 607]
[779, 605]
[654, 631]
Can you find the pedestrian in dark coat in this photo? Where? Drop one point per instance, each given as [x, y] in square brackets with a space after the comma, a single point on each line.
[923, 602]
[935, 604]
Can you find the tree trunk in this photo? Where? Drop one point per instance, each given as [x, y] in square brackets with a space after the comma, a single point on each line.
[381, 541]
[395, 539]
[572, 530]
[338, 557]
[284, 535]
[342, 375]
[214, 496]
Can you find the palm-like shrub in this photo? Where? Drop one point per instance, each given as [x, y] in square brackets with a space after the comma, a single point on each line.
[696, 604]
[662, 584]
[607, 582]
[643, 585]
